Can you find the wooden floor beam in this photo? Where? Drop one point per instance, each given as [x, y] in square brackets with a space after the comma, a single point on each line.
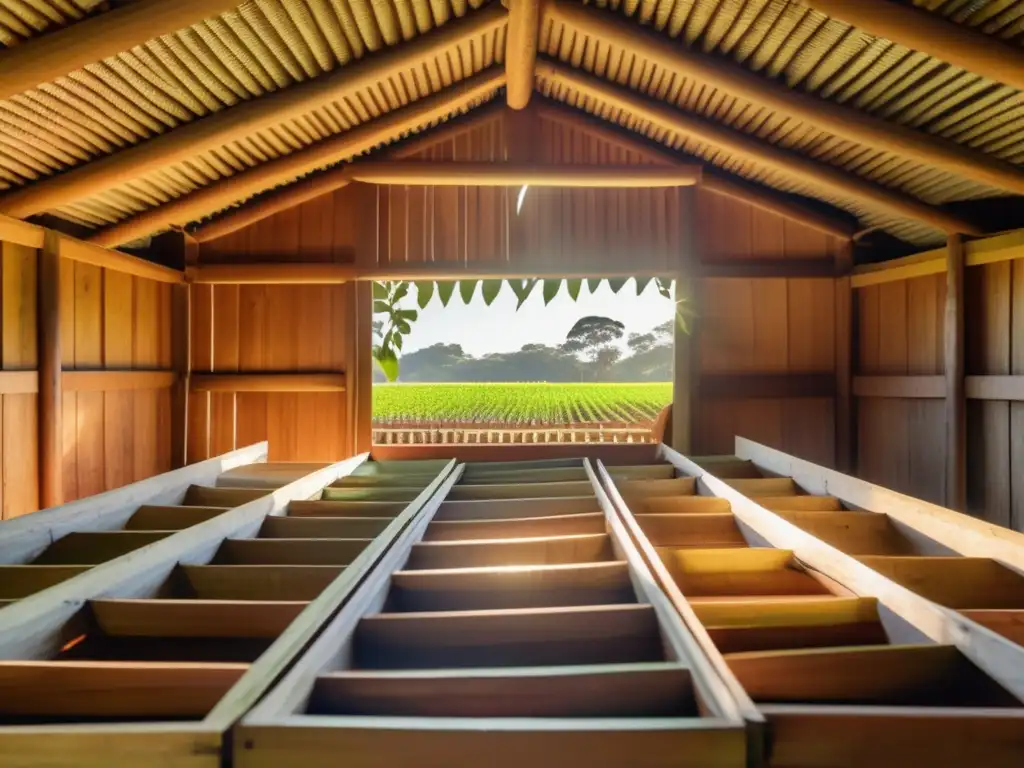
[837, 119]
[739, 145]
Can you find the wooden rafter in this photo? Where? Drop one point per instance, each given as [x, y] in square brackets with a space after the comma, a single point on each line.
[921, 30]
[283, 170]
[786, 163]
[57, 53]
[521, 49]
[489, 174]
[837, 119]
[300, 192]
[245, 119]
[712, 179]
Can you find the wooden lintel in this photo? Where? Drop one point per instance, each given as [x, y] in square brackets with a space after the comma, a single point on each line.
[98, 256]
[272, 274]
[921, 29]
[491, 174]
[956, 404]
[268, 382]
[20, 232]
[837, 119]
[742, 146]
[917, 387]
[521, 50]
[743, 386]
[247, 118]
[56, 53]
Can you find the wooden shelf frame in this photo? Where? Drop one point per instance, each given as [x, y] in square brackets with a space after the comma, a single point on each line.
[36, 627]
[280, 719]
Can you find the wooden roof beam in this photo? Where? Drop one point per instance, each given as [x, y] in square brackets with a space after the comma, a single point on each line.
[740, 145]
[712, 179]
[285, 169]
[301, 191]
[927, 32]
[216, 130]
[491, 174]
[842, 121]
[521, 49]
[51, 55]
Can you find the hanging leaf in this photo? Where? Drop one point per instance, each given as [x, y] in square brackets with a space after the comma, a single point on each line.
[424, 293]
[617, 283]
[444, 292]
[398, 340]
[466, 289]
[381, 307]
[400, 292]
[407, 314]
[388, 362]
[574, 286]
[593, 284]
[522, 289]
[551, 290]
[403, 327]
[664, 286]
[490, 289]
[380, 291]
[641, 284]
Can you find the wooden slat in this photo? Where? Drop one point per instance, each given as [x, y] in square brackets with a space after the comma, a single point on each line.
[777, 638]
[203, 496]
[94, 547]
[260, 582]
[289, 551]
[194, 618]
[679, 505]
[907, 675]
[692, 530]
[391, 493]
[764, 486]
[525, 527]
[150, 517]
[73, 689]
[550, 550]
[531, 637]
[317, 508]
[652, 689]
[956, 582]
[546, 475]
[465, 492]
[1007, 622]
[855, 533]
[642, 472]
[506, 509]
[783, 612]
[994, 388]
[799, 503]
[471, 589]
[323, 528]
[268, 382]
[17, 581]
[382, 480]
[677, 486]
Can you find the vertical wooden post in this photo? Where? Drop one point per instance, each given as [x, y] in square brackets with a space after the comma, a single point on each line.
[956, 402]
[51, 400]
[359, 377]
[844, 345]
[685, 373]
[181, 355]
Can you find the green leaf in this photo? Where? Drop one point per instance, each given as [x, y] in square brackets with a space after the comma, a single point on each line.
[424, 293]
[388, 362]
[408, 314]
[403, 327]
[401, 291]
[641, 284]
[574, 286]
[381, 307]
[593, 284]
[617, 283]
[490, 289]
[380, 291]
[522, 289]
[551, 290]
[466, 289]
[398, 341]
[444, 292]
[664, 286]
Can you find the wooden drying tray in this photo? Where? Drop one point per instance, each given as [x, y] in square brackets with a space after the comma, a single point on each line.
[40, 626]
[280, 725]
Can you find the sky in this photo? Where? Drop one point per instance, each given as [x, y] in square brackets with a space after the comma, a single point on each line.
[500, 328]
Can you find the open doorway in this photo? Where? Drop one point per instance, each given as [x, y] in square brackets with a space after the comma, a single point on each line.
[522, 361]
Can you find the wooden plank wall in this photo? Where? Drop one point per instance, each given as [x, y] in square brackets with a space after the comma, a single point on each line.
[901, 441]
[278, 328]
[113, 321]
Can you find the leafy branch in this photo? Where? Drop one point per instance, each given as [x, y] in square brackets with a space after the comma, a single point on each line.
[394, 327]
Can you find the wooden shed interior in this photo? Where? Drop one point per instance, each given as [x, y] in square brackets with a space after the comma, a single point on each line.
[197, 195]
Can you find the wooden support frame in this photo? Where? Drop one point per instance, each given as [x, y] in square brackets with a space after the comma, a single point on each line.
[922, 30]
[837, 119]
[268, 382]
[740, 145]
[715, 738]
[845, 343]
[956, 402]
[509, 174]
[245, 119]
[58, 52]
[685, 340]
[50, 404]
[197, 742]
[524, 18]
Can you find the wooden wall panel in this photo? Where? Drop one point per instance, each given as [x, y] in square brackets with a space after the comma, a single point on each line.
[112, 321]
[901, 442]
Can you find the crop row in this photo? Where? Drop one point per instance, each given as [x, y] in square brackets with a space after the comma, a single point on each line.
[519, 403]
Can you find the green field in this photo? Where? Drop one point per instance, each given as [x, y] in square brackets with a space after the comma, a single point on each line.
[519, 403]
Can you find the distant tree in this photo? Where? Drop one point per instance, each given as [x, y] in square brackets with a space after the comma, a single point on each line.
[592, 335]
[641, 342]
